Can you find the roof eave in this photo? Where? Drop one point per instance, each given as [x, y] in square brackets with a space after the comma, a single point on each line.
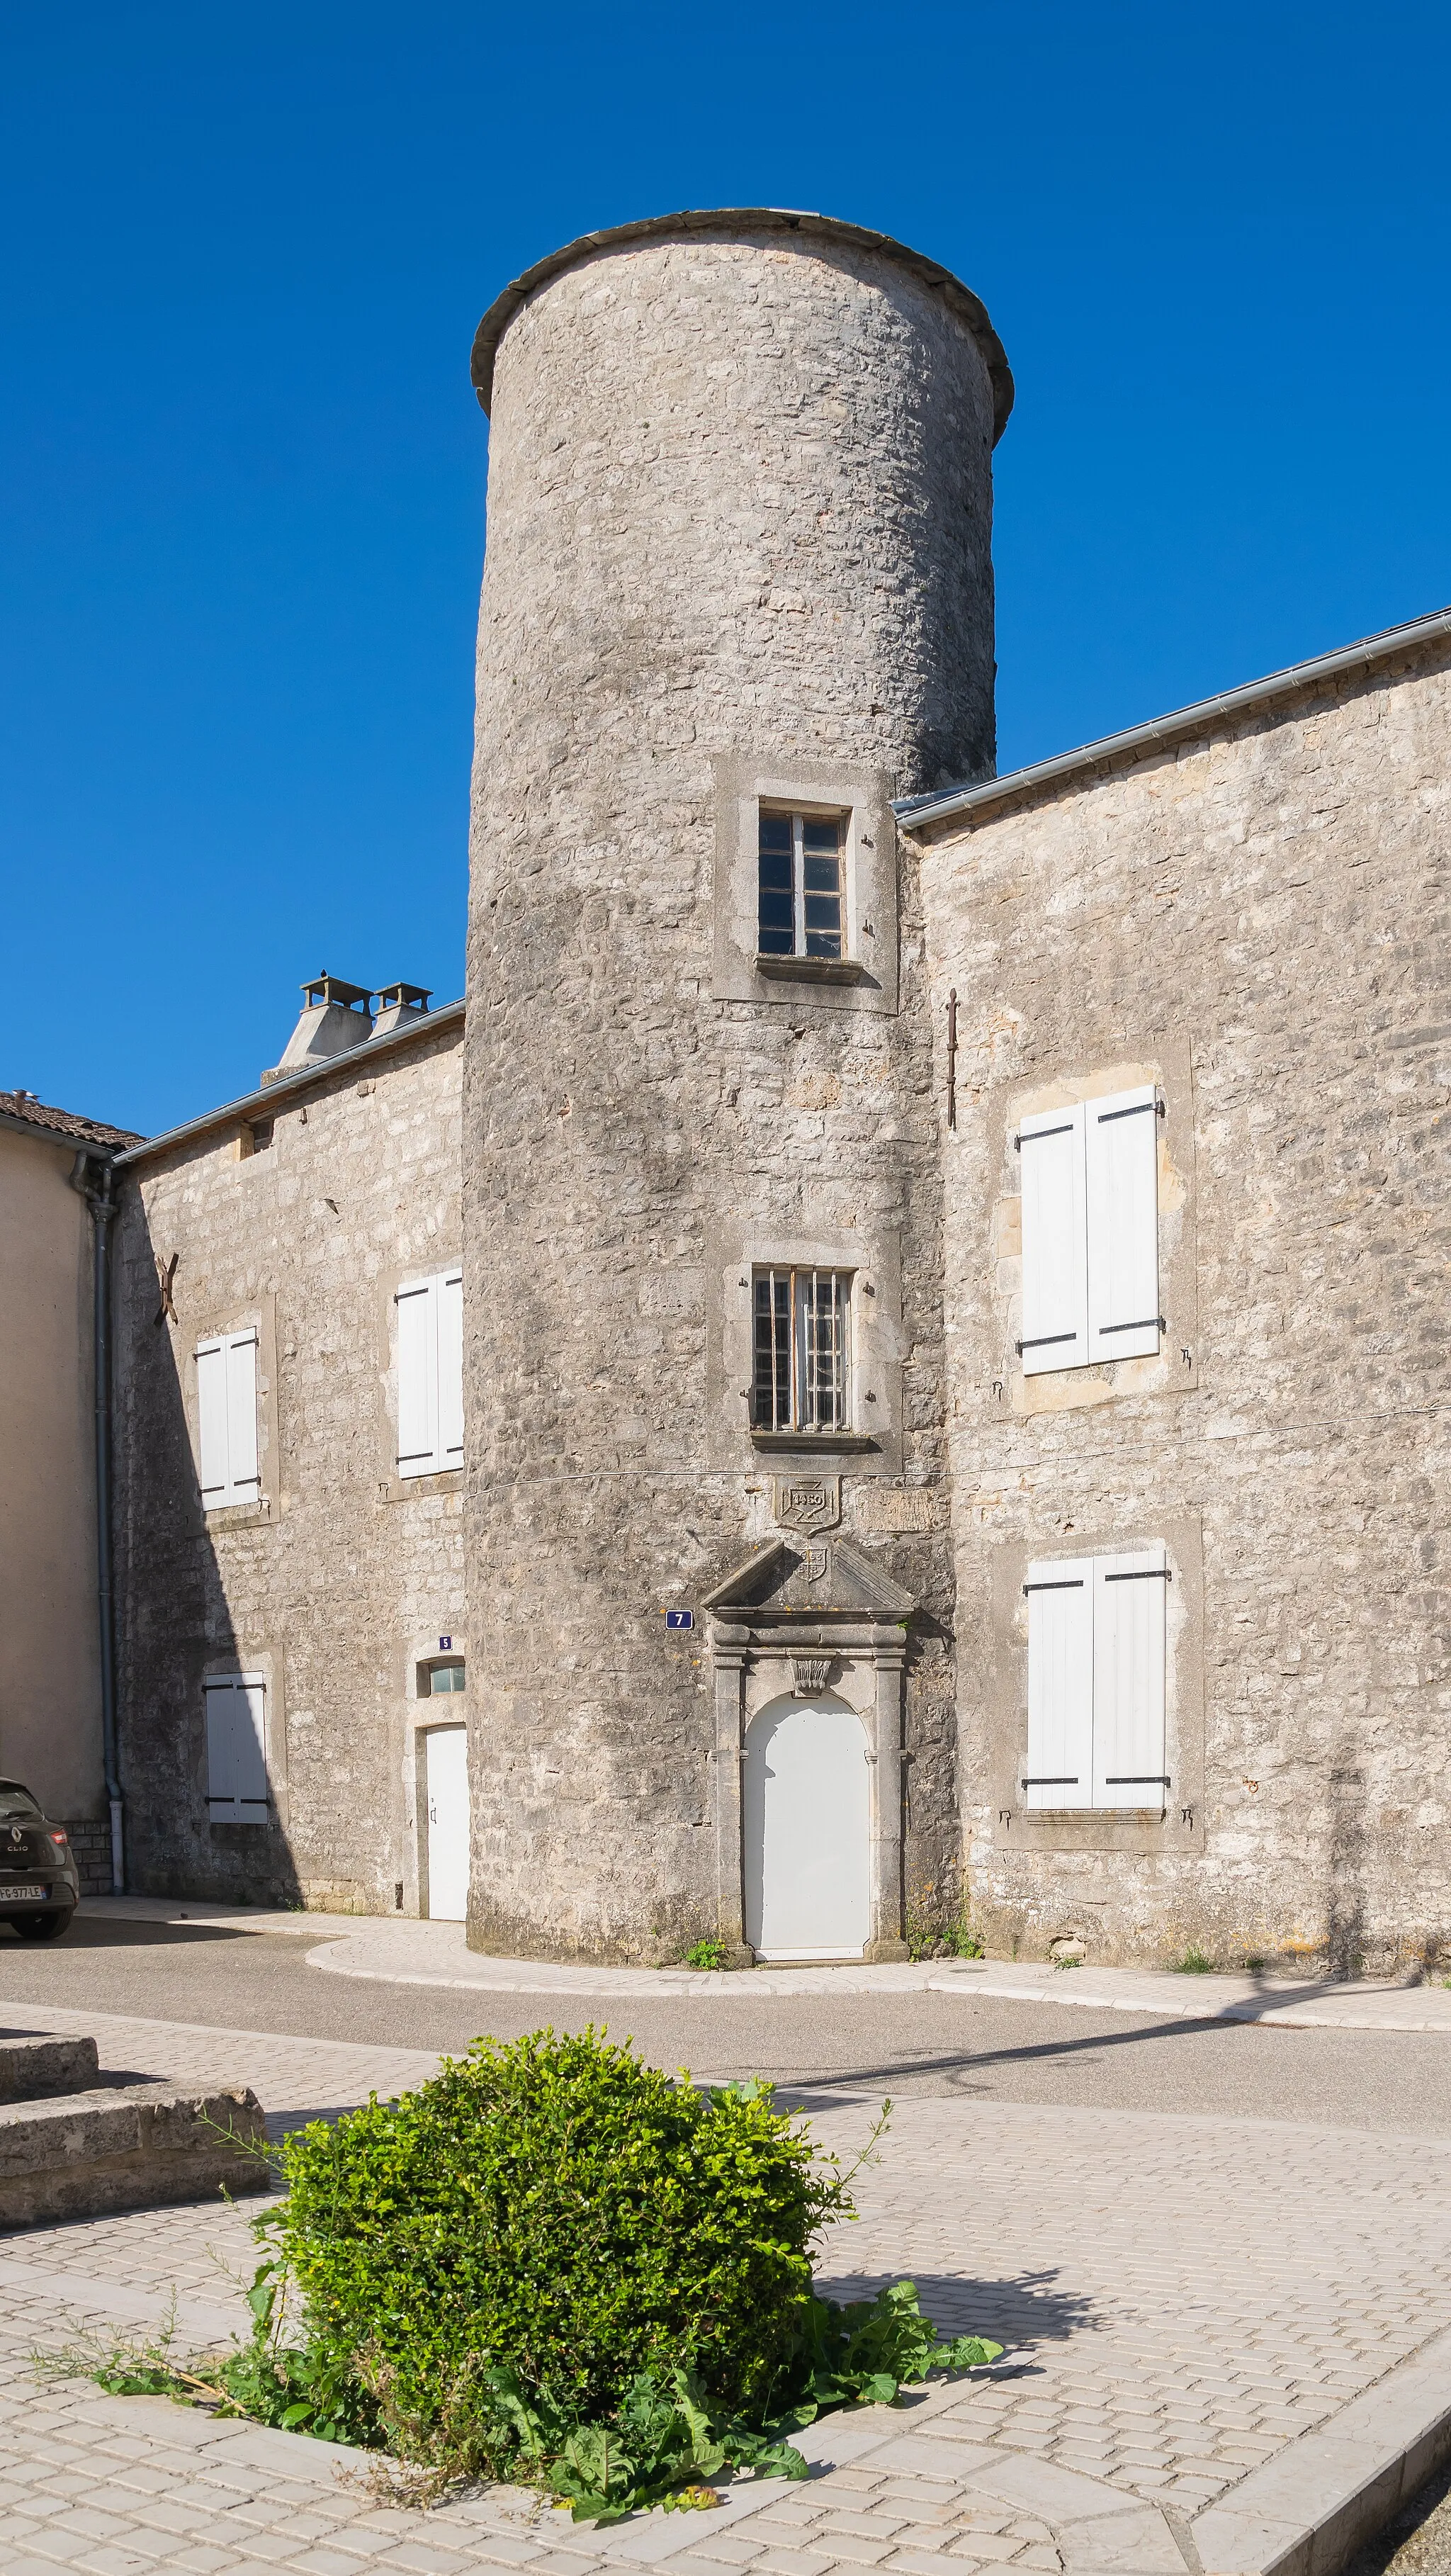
[920, 813]
[290, 1087]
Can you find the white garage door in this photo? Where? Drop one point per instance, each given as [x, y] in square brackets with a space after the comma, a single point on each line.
[805, 1821]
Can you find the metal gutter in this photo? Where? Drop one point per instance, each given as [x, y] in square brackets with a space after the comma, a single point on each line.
[291, 1087]
[732, 222]
[918, 812]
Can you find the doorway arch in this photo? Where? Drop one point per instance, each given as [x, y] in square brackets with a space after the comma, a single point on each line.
[806, 1831]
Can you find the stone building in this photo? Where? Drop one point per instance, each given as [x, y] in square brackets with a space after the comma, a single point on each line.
[289, 1548]
[901, 1350]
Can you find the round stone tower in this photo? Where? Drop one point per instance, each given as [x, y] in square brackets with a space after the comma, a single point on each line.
[737, 597]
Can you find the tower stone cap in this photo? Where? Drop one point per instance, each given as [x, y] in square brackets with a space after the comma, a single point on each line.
[726, 222]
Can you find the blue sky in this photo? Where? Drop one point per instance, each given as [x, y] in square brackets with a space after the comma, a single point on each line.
[242, 478]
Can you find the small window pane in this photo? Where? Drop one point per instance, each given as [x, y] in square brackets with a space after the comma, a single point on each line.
[776, 835]
[443, 1678]
[771, 1404]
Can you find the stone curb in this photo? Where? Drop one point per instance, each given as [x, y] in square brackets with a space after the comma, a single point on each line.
[1307, 2511]
[385, 1951]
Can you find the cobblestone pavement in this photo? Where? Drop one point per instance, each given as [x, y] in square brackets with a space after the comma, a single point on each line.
[1182, 2299]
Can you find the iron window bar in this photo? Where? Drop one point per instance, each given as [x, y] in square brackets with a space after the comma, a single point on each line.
[1142, 1574]
[1054, 1780]
[1065, 1583]
[801, 1372]
[1141, 1324]
[1137, 1780]
[1140, 1109]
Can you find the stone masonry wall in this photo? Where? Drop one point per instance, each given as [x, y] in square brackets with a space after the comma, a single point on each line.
[344, 1579]
[1258, 920]
[739, 512]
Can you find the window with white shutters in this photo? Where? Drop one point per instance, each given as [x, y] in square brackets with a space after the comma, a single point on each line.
[236, 1749]
[226, 1385]
[1090, 1232]
[1096, 1681]
[430, 1374]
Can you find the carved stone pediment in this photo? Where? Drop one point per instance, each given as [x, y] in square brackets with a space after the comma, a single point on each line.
[822, 1577]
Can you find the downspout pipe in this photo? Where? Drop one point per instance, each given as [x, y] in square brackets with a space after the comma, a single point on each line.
[94, 1179]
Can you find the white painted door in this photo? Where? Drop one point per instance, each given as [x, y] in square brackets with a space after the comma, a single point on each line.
[805, 1821]
[448, 1822]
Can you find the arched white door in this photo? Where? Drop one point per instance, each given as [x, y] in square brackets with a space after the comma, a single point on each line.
[806, 1831]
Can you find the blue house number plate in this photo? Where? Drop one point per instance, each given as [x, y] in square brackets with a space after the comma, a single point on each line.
[680, 1618]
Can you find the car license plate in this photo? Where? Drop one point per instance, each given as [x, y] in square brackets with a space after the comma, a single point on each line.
[22, 1895]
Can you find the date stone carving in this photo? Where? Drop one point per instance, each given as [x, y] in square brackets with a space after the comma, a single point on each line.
[808, 1503]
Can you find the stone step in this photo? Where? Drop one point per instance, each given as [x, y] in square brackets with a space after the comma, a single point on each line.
[32, 2069]
[131, 2146]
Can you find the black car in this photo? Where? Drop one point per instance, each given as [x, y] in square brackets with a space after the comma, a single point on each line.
[39, 1885]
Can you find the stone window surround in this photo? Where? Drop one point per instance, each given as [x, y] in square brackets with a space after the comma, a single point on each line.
[1167, 1063]
[260, 1314]
[736, 1250]
[393, 1488]
[1131, 1829]
[752, 1664]
[742, 786]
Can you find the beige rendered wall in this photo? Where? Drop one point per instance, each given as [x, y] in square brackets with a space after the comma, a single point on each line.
[1258, 922]
[50, 1680]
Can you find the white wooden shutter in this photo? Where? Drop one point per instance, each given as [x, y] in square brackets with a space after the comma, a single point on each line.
[243, 1477]
[417, 1379]
[1122, 1153]
[1055, 1251]
[1058, 1771]
[236, 1754]
[450, 1305]
[226, 1380]
[1128, 1679]
[211, 1390]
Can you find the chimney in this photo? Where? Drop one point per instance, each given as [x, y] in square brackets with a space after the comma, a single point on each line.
[398, 1004]
[335, 1018]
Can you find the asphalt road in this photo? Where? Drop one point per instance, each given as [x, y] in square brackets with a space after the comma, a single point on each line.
[845, 2047]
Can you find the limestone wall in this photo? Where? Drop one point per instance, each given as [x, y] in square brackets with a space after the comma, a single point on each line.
[342, 1577]
[1257, 921]
[739, 522]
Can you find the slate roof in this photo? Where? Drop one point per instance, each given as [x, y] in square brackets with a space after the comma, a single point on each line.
[22, 1109]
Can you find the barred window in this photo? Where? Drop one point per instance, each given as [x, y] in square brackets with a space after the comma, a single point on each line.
[801, 890]
[802, 1350]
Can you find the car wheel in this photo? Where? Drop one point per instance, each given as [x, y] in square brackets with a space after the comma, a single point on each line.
[42, 1927]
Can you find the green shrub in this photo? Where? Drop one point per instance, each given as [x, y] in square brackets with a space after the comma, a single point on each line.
[1195, 1962]
[556, 2209]
[553, 2261]
[706, 1954]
